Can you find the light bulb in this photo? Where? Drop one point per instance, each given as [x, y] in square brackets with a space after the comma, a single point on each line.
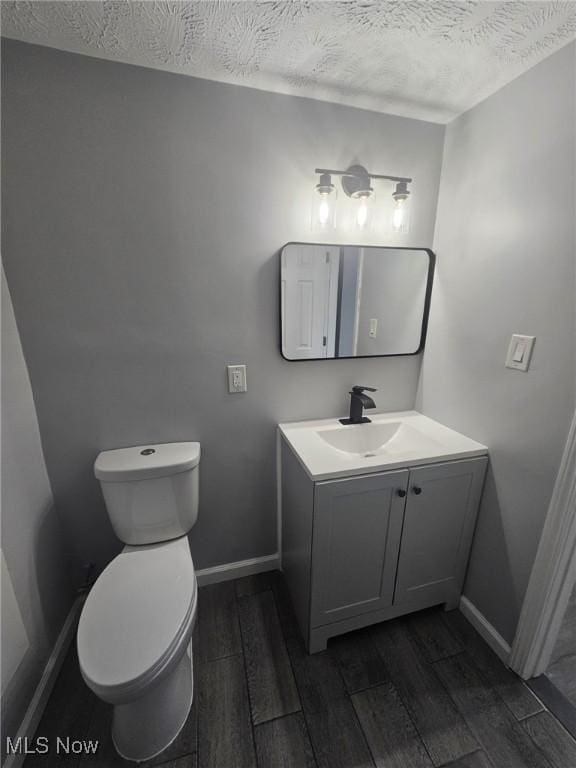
[401, 197]
[362, 214]
[323, 212]
[324, 204]
[399, 215]
[363, 210]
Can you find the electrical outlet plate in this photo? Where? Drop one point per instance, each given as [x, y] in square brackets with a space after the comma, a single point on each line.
[520, 352]
[236, 378]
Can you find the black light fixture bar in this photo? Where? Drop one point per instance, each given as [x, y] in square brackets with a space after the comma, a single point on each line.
[396, 179]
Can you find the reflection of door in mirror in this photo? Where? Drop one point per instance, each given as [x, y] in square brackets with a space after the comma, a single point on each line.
[310, 288]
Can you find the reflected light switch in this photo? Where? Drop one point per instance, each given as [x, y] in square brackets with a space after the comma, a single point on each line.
[520, 352]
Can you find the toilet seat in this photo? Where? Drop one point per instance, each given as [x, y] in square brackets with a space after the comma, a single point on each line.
[139, 613]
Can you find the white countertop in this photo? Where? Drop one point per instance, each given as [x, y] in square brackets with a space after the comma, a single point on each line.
[417, 440]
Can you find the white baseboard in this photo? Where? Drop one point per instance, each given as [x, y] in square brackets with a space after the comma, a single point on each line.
[42, 693]
[481, 624]
[229, 571]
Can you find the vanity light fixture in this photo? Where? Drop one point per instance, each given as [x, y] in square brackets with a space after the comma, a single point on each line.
[356, 183]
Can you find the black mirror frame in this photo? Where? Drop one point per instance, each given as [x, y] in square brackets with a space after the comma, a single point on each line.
[427, 299]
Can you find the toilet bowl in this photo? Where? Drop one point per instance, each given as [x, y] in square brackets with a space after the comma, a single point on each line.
[134, 644]
[134, 635]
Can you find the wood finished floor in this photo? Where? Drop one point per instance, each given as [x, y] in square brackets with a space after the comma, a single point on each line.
[419, 692]
[562, 668]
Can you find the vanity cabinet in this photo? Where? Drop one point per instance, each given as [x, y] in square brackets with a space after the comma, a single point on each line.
[359, 550]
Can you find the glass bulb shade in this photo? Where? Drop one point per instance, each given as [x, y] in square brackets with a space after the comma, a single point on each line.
[323, 212]
[400, 214]
[324, 208]
[363, 211]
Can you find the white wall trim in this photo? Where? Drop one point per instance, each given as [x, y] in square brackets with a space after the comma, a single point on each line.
[485, 629]
[553, 574]
[44, 688]
[229, 571]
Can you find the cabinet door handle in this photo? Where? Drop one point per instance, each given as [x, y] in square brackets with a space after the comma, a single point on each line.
[401, 492]
[417, 490]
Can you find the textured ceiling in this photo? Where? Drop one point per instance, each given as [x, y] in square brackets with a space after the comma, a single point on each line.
[429, 59]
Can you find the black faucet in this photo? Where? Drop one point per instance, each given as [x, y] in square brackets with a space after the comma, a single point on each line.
[359, 401]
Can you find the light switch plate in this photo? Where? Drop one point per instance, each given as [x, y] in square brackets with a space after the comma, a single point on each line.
[520, 352]
[236, 378]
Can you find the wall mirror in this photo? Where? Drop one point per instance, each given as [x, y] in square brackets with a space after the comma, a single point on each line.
[341, 301]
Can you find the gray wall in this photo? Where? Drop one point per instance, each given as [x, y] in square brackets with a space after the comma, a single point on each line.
[393, 292]
[143, 214]
[505, 247]
[32, 540]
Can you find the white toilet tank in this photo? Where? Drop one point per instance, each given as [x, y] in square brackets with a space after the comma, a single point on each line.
[151, 491]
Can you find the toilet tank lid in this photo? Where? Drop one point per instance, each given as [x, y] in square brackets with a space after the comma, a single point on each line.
[146, 461]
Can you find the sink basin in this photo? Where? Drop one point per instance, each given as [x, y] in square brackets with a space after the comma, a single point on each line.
[373, 439]
[327, 449]
[360, 438]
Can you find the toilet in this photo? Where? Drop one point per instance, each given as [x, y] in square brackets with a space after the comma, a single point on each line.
[135, 630]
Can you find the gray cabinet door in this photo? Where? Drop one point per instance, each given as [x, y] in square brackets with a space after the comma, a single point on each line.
[439, 519]
[357, 528]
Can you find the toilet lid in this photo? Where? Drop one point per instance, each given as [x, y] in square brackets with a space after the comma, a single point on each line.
[135, 612]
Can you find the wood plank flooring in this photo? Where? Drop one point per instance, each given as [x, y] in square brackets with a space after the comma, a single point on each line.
[271, 683]
[562, 668]
[419, 692]
[443, 730]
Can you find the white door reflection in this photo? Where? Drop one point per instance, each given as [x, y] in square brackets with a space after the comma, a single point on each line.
[310, 289]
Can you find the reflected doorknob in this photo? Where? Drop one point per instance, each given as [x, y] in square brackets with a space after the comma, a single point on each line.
[401, 492]
[417, 490]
